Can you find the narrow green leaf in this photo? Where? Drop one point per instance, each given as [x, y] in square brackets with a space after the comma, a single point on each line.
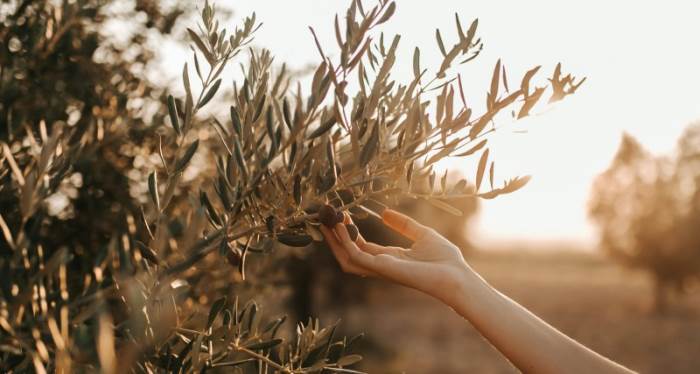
[172, 110]
[286, 114]
[505, 78]
[259, 108]
[441, 45]
[235, 120]
[416, 63]
[349, 360]
[389, 12]
[297, 189]
[482, 168]
[370, 149]
[530, 102]
[330, 153]
[516, 184]
[323, 128]
[470, 34]
[462, 37]
[525, 83]
[210, 94]
[146, 252]
[185, 160]
[269, 123]
[186, 80]
[495, 80]
[153, 190]
[238, 152]
[204, 200]
[200, 45]
[215, 310]
[196, 65]
[265, 345]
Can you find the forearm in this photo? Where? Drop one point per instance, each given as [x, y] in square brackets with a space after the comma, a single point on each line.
[528, 342]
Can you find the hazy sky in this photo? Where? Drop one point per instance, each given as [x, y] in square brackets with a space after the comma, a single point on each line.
[642, 60]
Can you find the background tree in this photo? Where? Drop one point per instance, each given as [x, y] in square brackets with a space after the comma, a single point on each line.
[687, 175]
[646, 208]
[115, 223]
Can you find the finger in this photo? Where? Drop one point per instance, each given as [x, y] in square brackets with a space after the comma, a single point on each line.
[341, 255]
[381, 263]
[337, 248]
[358, 257]
[372, 248]
[334, 244]
[404, 225]
[348, 221]
[376, 249]
[385, 265]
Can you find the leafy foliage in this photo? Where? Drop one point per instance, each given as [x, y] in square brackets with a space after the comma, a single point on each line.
[647, 208]
[115, 224]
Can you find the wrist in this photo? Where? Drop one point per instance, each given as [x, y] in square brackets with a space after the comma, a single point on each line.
[468, 285]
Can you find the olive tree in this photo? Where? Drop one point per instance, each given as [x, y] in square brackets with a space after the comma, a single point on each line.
[153, 290]
[646, 207]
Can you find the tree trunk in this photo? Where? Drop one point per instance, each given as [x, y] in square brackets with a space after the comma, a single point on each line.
[660, 296]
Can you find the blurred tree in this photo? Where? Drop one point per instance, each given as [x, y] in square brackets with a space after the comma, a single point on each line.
[646, 215]
[687, 176]
[58, 69]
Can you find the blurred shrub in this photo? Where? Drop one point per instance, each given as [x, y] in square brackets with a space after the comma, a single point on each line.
[648, 212]
[133, 221]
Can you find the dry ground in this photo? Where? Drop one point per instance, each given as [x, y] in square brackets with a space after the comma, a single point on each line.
[586, 297]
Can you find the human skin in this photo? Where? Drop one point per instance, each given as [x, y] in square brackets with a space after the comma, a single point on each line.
[436, 267]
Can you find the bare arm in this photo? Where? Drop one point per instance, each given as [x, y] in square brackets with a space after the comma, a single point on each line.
[436, 266]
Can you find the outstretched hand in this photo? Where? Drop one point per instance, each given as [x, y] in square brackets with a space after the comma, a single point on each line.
[433, 264]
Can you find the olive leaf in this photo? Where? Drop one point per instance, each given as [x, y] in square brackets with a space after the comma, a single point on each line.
[235, 120]
[265, 345]
[185, 159]
[215, 309]
[210, 94]
[153, 190]
[371, 147]
[172, 110]
[323, 128]
[481, 168]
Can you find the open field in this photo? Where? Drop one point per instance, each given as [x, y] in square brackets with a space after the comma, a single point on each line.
[588, 298]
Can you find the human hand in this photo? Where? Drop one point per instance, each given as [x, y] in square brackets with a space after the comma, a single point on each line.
[433, 264]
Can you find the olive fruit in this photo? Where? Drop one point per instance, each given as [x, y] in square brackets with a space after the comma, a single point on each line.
[353, 231]
[270, 223]
[294, 240]
[329, 217]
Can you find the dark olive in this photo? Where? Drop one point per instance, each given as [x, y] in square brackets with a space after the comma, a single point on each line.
[339, 217]
[295, 240]
[270, 223]
[327, 216]
[353, 231]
